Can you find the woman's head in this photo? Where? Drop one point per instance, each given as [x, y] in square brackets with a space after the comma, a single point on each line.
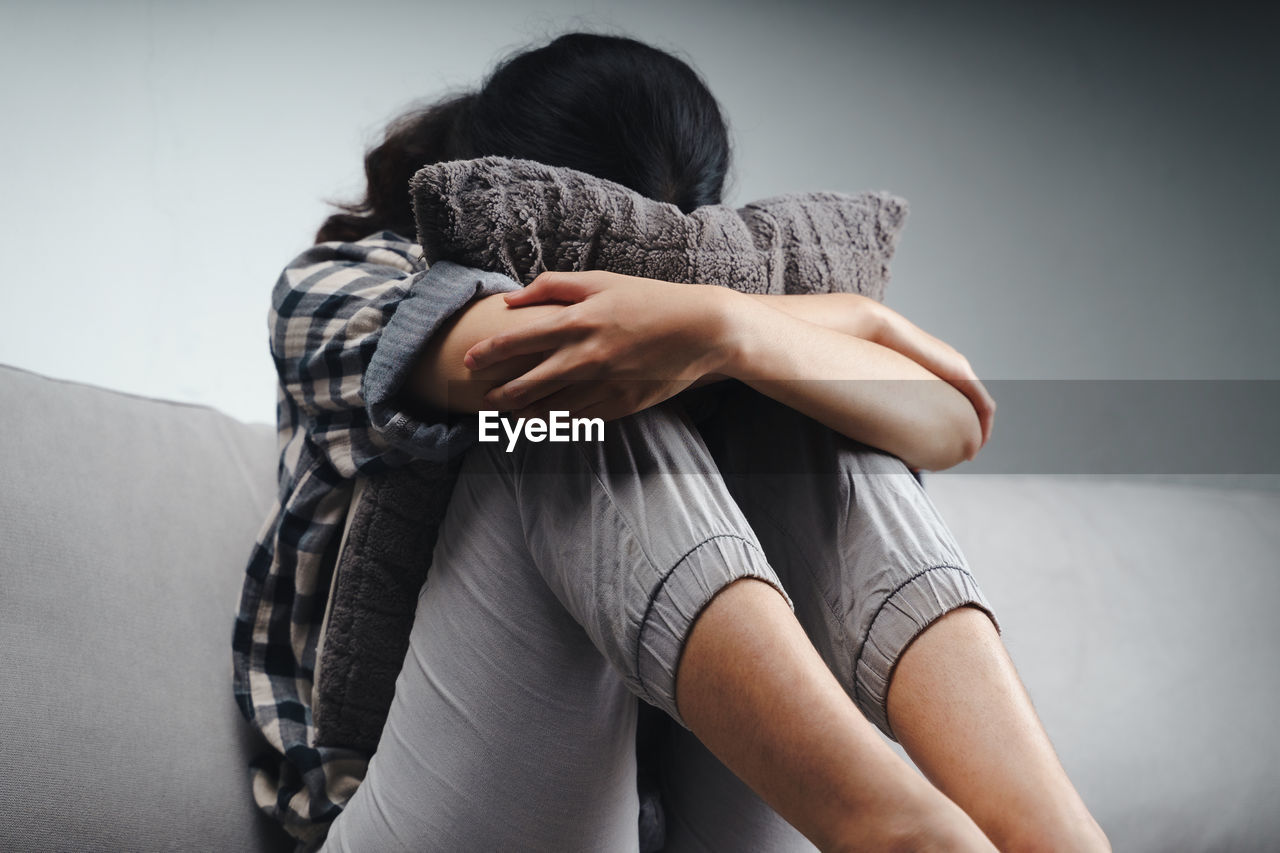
[610, 106]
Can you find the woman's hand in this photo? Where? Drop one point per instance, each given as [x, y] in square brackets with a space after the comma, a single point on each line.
[620, 344]
[863, 317]
[939, 358]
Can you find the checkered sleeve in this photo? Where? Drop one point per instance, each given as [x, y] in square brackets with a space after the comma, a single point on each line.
[347, 320]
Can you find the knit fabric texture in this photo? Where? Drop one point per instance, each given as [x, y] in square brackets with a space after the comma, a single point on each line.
[521, 218]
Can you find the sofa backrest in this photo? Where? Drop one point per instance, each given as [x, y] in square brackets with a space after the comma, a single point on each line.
[125, 525]
[1141, 616]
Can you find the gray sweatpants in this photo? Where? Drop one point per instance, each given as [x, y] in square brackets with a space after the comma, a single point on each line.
[563, 586]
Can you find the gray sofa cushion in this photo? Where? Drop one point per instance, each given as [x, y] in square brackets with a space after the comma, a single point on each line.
[125, 524]
[1141, 616]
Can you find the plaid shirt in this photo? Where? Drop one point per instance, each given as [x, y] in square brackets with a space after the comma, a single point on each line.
[347, 320]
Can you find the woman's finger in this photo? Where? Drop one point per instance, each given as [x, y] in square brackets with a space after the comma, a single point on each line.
[988, 417]
[573, 397]
[548, 333]
[986, 407]
[955, 368]
[598, 409]
[526, 390]
[558, 370]
[607, 409]
[982, 403]
[553, 287]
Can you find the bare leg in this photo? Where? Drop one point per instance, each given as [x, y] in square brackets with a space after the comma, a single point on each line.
[959, 709]
[877, 579]
[753, 688]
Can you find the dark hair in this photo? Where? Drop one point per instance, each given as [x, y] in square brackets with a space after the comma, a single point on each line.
[610, 106]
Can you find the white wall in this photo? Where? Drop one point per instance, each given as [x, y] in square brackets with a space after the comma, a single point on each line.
[1093, 192]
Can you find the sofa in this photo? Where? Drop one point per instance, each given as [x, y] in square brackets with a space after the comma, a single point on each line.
[1141, 615]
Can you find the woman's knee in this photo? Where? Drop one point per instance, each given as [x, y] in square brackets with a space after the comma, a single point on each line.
[633, 535]
[866, 556]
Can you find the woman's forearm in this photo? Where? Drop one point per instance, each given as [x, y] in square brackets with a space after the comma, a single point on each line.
[848, 313]
[855, 386]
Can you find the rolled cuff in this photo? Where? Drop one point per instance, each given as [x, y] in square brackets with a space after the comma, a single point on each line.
[433, 298]
[924, 598]
[682, 594]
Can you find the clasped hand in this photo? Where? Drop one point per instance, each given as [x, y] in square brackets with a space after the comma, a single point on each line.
[620, 345]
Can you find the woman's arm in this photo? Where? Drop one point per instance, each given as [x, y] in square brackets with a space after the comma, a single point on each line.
[870, 320]
[848, 313]
[855, 386]
[439, 375]
[624, 344]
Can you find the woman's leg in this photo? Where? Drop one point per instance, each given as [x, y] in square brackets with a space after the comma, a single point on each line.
[751, 685]
[508, 729]
[708, 809]
[565, 574]
[755, 692]
[998, 763]
[883, 591]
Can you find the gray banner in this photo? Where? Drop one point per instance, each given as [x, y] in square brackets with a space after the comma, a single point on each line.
[1165, 428]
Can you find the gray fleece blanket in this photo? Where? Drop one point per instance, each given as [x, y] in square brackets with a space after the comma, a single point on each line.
[521, 218]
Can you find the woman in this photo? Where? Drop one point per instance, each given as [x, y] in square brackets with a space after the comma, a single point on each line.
[568, 580]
